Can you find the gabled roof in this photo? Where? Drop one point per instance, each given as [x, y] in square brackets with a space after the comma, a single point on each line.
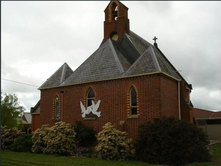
[131, 56]
[102, 64]
[27, 117]
[36, 108]
[205, 114]
[58, 77]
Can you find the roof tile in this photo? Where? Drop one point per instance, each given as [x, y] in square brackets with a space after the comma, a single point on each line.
[131, 56]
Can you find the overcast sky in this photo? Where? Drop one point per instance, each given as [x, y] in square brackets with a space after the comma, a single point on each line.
[38, 37]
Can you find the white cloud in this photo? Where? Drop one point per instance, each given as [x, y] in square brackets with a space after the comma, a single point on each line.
[39, 36]
[206, 99]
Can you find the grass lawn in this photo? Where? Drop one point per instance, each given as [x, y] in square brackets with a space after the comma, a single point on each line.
[9, 158]
[216, 157]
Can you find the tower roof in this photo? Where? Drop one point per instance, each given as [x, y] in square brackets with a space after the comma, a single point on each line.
[131, 56]
[126, 55]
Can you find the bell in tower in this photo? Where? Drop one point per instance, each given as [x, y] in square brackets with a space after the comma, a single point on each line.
[116, 21]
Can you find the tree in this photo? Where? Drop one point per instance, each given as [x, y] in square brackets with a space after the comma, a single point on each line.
[85, 136]
[11, 111]
[172, 142]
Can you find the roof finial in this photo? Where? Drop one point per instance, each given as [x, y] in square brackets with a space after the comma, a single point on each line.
[155, 39]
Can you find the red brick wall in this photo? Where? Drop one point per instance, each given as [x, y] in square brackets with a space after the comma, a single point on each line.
[186, 111]
[169, 97]
[35, 124]
[157, 96]
[119, 26]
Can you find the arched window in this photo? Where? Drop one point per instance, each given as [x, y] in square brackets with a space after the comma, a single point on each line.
[133, 101]
[90, 97]
[56, 107]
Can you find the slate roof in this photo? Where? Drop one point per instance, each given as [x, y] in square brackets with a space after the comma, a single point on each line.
[36, 108]
[131, 56]
[58, 77]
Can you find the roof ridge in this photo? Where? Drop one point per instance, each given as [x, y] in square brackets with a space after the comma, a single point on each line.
[51, 76]
[136, 61]
[153, 56]
[63, 72]
[115, 56]
[181, 77]
[144, 40]
[155, 60]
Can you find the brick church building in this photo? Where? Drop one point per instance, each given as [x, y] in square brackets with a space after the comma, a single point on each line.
[127, 81]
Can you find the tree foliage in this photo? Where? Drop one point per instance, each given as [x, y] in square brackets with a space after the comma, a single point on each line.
[11, 111]
[85, 136]
[171, 141]
[22, 144]
[113, 144]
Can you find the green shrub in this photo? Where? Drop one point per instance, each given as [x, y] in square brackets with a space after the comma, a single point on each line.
[113, 144]
[171, 141]
[8, 136]
[58, 139]
[22, 144]
[85, 136]
[39, 144]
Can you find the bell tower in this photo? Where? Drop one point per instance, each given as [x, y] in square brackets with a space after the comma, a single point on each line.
[116, 21]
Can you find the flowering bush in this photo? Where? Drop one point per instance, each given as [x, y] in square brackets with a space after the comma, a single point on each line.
[80, 150]
[39, 143]
[58, 139]
[113, 144]
[8, 136]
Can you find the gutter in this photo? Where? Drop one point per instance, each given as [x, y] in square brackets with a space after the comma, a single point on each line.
[178, 89]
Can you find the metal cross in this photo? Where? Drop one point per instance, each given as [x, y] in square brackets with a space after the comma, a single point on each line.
[155, 39]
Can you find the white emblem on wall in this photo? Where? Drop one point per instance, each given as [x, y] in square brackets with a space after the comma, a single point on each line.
[93, 108]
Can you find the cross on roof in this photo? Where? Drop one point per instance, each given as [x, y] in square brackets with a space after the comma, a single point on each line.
[155, 39]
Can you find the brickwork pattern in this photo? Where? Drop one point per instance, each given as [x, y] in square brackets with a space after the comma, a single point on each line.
[157, 96]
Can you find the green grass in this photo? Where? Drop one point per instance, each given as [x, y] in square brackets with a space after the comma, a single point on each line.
[9, 158]
[215, 157]
[217, 151]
